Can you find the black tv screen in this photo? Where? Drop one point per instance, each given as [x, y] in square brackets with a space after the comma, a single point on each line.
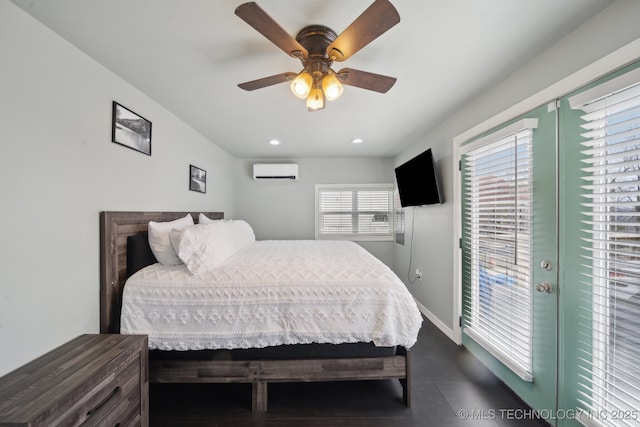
[418, 181]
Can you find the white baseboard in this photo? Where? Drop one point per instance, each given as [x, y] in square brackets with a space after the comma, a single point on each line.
[437, 322]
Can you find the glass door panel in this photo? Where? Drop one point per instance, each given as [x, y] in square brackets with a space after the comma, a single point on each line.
[509, 244]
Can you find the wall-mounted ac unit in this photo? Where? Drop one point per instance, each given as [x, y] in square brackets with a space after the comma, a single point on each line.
[275, 171]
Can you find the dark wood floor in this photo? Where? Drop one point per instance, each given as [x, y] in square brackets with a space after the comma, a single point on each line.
[447, 381]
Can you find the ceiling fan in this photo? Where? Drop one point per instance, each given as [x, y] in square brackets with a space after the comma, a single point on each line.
[317, 47]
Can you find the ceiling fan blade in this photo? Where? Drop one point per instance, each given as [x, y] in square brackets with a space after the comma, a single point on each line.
[371, 24]
[267, 81]
[255, 16]
[365, 80]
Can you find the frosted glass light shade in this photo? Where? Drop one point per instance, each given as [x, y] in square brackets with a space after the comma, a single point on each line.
[301, 85]
[315, 100]
[332, 87]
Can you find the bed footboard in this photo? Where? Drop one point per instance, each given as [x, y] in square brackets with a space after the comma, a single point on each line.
[262, 372]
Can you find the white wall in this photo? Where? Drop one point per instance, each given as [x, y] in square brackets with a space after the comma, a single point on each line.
[59, 169]
[433, 244]
[285, 209]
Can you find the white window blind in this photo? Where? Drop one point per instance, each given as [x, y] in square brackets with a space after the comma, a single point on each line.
[609, 380]
[354, 212]
[497, 176]
[399, 218]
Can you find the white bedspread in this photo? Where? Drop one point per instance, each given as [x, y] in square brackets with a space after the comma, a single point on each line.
[270, 293]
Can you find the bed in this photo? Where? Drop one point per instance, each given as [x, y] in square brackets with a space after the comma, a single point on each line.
[261, 357]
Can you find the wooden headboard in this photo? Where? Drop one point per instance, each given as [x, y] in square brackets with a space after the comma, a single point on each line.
[115, 227]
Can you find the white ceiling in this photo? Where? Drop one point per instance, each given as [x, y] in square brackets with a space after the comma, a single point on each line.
[189, 56]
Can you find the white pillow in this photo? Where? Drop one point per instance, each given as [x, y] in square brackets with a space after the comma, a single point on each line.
[204, 247]
[241, 233]
[175, 237]
[160, 242]
[203, 219]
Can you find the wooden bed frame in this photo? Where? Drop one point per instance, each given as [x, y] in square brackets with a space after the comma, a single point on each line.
[115, 227]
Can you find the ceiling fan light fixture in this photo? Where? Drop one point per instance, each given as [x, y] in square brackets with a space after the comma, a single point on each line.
[317, 47]
[315, 100]
[302, 84]
[331, 87]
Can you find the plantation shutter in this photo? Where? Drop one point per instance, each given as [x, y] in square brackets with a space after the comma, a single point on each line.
[354, 211]
[497, 229]
[609, 372]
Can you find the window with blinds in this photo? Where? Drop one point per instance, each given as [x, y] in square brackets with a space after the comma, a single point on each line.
[497, 228]
[609, 372]
[354, 212]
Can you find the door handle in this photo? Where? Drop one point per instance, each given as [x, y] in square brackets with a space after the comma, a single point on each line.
[544, 287]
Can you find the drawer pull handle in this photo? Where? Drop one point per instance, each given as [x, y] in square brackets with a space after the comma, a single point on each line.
[104, 401]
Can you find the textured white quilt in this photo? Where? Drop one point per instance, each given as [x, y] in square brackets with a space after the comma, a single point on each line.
[270, 293]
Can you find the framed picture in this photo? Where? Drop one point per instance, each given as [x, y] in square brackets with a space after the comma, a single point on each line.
[130, 129]
[197, 179]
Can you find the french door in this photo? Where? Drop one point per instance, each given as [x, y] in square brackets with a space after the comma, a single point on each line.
[509, 253]
[551, 254]
[600, 223]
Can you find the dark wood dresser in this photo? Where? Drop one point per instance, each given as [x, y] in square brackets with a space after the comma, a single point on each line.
[93, 380]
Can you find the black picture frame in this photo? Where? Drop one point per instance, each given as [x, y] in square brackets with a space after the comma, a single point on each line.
[197, 179]
[130, 129]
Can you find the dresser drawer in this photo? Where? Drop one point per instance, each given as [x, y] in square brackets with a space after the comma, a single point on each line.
[125, 414]
[93, 380]
[91, 407]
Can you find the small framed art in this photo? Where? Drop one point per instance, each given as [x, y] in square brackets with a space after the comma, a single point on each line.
[130, 129]
[197, 179]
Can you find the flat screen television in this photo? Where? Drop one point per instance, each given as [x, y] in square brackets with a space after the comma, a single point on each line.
[418, 181]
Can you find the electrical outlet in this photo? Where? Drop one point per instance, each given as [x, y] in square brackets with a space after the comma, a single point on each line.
[419, 274]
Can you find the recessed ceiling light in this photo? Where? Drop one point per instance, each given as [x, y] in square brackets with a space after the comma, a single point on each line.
[357, 140]
[274, 142]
